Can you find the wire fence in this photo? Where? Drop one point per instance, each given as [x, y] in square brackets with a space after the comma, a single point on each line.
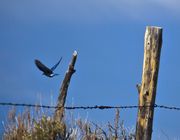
[92, 107]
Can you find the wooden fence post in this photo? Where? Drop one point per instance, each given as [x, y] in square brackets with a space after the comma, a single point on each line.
[147, 88]
[59, 112]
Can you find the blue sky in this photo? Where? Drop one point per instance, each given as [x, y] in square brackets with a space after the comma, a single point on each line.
[109, 38]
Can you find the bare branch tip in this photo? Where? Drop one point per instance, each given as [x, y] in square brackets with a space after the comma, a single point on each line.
[75, 53]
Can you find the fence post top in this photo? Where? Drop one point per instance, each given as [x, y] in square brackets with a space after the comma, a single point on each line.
[154, 27]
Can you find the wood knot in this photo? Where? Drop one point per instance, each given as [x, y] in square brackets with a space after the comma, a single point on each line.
[138, 86]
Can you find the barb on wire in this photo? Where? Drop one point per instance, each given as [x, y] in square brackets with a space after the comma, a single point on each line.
[90, 107]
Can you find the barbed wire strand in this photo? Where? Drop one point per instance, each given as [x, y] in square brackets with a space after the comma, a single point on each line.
[90, 107]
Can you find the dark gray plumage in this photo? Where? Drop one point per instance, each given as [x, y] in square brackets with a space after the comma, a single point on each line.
[47, 71]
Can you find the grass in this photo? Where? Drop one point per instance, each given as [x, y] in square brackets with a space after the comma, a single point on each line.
[43, 127]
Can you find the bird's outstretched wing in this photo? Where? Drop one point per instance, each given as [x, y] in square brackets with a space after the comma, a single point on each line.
[42, 67]
[54, 67]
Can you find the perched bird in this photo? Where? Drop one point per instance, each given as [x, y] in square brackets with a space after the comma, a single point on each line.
[47, 71]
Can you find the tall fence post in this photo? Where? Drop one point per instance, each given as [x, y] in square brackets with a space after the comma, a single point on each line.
[147, 88]
[59, 112]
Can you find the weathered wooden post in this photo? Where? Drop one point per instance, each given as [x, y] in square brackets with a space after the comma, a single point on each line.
[147, 88]
[59, 112]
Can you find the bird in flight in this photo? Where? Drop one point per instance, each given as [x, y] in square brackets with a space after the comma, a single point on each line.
[47, 71]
